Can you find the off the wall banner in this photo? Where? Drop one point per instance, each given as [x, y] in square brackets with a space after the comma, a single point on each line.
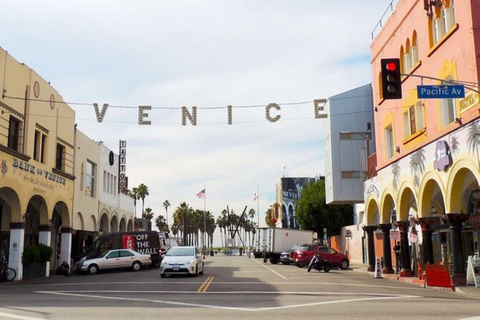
[272, 113]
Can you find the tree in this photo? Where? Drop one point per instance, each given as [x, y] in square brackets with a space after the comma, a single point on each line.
[148, 214]
[313, 213]
[269, 216]
[166, 204]
[142, 192]
[161, 224]
[134, 195]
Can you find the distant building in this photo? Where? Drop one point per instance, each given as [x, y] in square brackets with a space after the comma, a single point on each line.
[99, 207]
[289, 190]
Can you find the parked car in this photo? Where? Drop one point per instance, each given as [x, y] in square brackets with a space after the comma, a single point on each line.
[182, 260]
[115, 259]
[292, 252]
[336, 258]
[303, 254]
[285, 257]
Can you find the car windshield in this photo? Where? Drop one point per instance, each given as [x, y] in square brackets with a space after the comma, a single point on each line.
[180, 252]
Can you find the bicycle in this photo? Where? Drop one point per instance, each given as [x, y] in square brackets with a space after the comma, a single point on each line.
[6, 274]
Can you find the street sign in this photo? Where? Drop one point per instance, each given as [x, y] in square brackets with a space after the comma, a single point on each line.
[441, 92]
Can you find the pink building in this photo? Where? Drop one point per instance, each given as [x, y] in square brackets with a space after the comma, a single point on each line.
[426, 191]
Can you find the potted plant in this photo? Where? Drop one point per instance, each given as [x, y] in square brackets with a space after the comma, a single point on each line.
[34, 259]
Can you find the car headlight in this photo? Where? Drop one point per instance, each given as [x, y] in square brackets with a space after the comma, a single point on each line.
[192, 261]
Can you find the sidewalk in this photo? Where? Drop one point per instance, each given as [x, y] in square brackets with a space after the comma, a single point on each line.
[468, 290]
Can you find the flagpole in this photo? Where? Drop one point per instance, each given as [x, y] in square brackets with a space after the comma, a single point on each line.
[258, 218]
[204, 217]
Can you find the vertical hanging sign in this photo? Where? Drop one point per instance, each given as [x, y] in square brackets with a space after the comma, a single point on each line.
[122, 166]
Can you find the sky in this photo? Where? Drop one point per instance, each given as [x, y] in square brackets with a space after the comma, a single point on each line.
[208, 54]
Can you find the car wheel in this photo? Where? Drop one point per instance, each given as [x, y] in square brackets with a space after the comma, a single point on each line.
[300, 266]
[136, 266]
[203, 267]
[92, 269]
[162, 275]
[344, 264]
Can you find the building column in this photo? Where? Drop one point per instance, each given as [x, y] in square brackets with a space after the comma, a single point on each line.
[456, 220]
[427, 247]
[17, 244]
[387, 248]
[406, 270]
[45, 237]
[370, 246]
[66, 249]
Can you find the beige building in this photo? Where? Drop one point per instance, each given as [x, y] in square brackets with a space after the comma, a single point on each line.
[99, 207]
[37, 163]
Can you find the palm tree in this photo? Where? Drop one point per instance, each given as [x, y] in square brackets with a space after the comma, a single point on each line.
[142, 192]
[166, 204]
[134, 195]
[148, 214]
[161, 224]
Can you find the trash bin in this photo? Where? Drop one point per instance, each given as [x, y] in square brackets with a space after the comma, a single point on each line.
[211, 253]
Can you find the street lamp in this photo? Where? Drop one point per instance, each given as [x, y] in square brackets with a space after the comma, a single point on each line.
[353, 135]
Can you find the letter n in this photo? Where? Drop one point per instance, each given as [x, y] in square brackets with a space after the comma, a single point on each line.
[192, 117]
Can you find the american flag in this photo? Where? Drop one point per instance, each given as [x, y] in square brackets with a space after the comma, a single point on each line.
[201, 194]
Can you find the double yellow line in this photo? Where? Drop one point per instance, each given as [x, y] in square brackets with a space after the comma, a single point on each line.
[205, 285]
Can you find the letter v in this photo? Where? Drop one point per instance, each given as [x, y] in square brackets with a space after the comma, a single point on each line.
[101, 115]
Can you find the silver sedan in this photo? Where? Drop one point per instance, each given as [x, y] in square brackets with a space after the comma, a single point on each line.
[113, 259]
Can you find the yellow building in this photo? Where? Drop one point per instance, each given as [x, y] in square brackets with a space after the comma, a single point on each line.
[37, 165]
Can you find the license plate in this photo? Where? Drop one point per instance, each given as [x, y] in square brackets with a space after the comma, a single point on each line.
[176, 269]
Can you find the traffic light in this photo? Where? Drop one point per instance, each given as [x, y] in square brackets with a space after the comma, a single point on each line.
[391, 79]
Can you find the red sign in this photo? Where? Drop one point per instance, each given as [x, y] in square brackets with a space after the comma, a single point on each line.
[438, 276]
[128, 241]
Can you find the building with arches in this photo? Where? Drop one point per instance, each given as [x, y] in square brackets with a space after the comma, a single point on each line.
[100, 206]
[57, 186]
[426, 191]
[37, 165]
[288, 191]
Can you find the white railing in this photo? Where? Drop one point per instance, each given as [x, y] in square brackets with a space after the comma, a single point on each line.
[384, 18]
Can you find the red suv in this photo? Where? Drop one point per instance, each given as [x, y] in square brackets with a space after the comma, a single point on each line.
[303, 254]
[336, 258]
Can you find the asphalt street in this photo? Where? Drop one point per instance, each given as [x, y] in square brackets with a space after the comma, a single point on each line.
[232, 287]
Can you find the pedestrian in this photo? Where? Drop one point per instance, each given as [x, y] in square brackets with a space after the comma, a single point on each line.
[63, 269]
[397, 250]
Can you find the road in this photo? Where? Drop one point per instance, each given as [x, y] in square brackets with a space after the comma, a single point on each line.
[233, 287]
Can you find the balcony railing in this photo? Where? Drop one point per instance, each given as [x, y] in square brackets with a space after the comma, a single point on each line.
[384, 18]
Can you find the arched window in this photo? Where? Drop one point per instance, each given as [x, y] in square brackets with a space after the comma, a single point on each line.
[443, 20]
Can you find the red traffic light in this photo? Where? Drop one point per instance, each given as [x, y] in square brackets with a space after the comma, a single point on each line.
[391, 79]
[391, 66]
